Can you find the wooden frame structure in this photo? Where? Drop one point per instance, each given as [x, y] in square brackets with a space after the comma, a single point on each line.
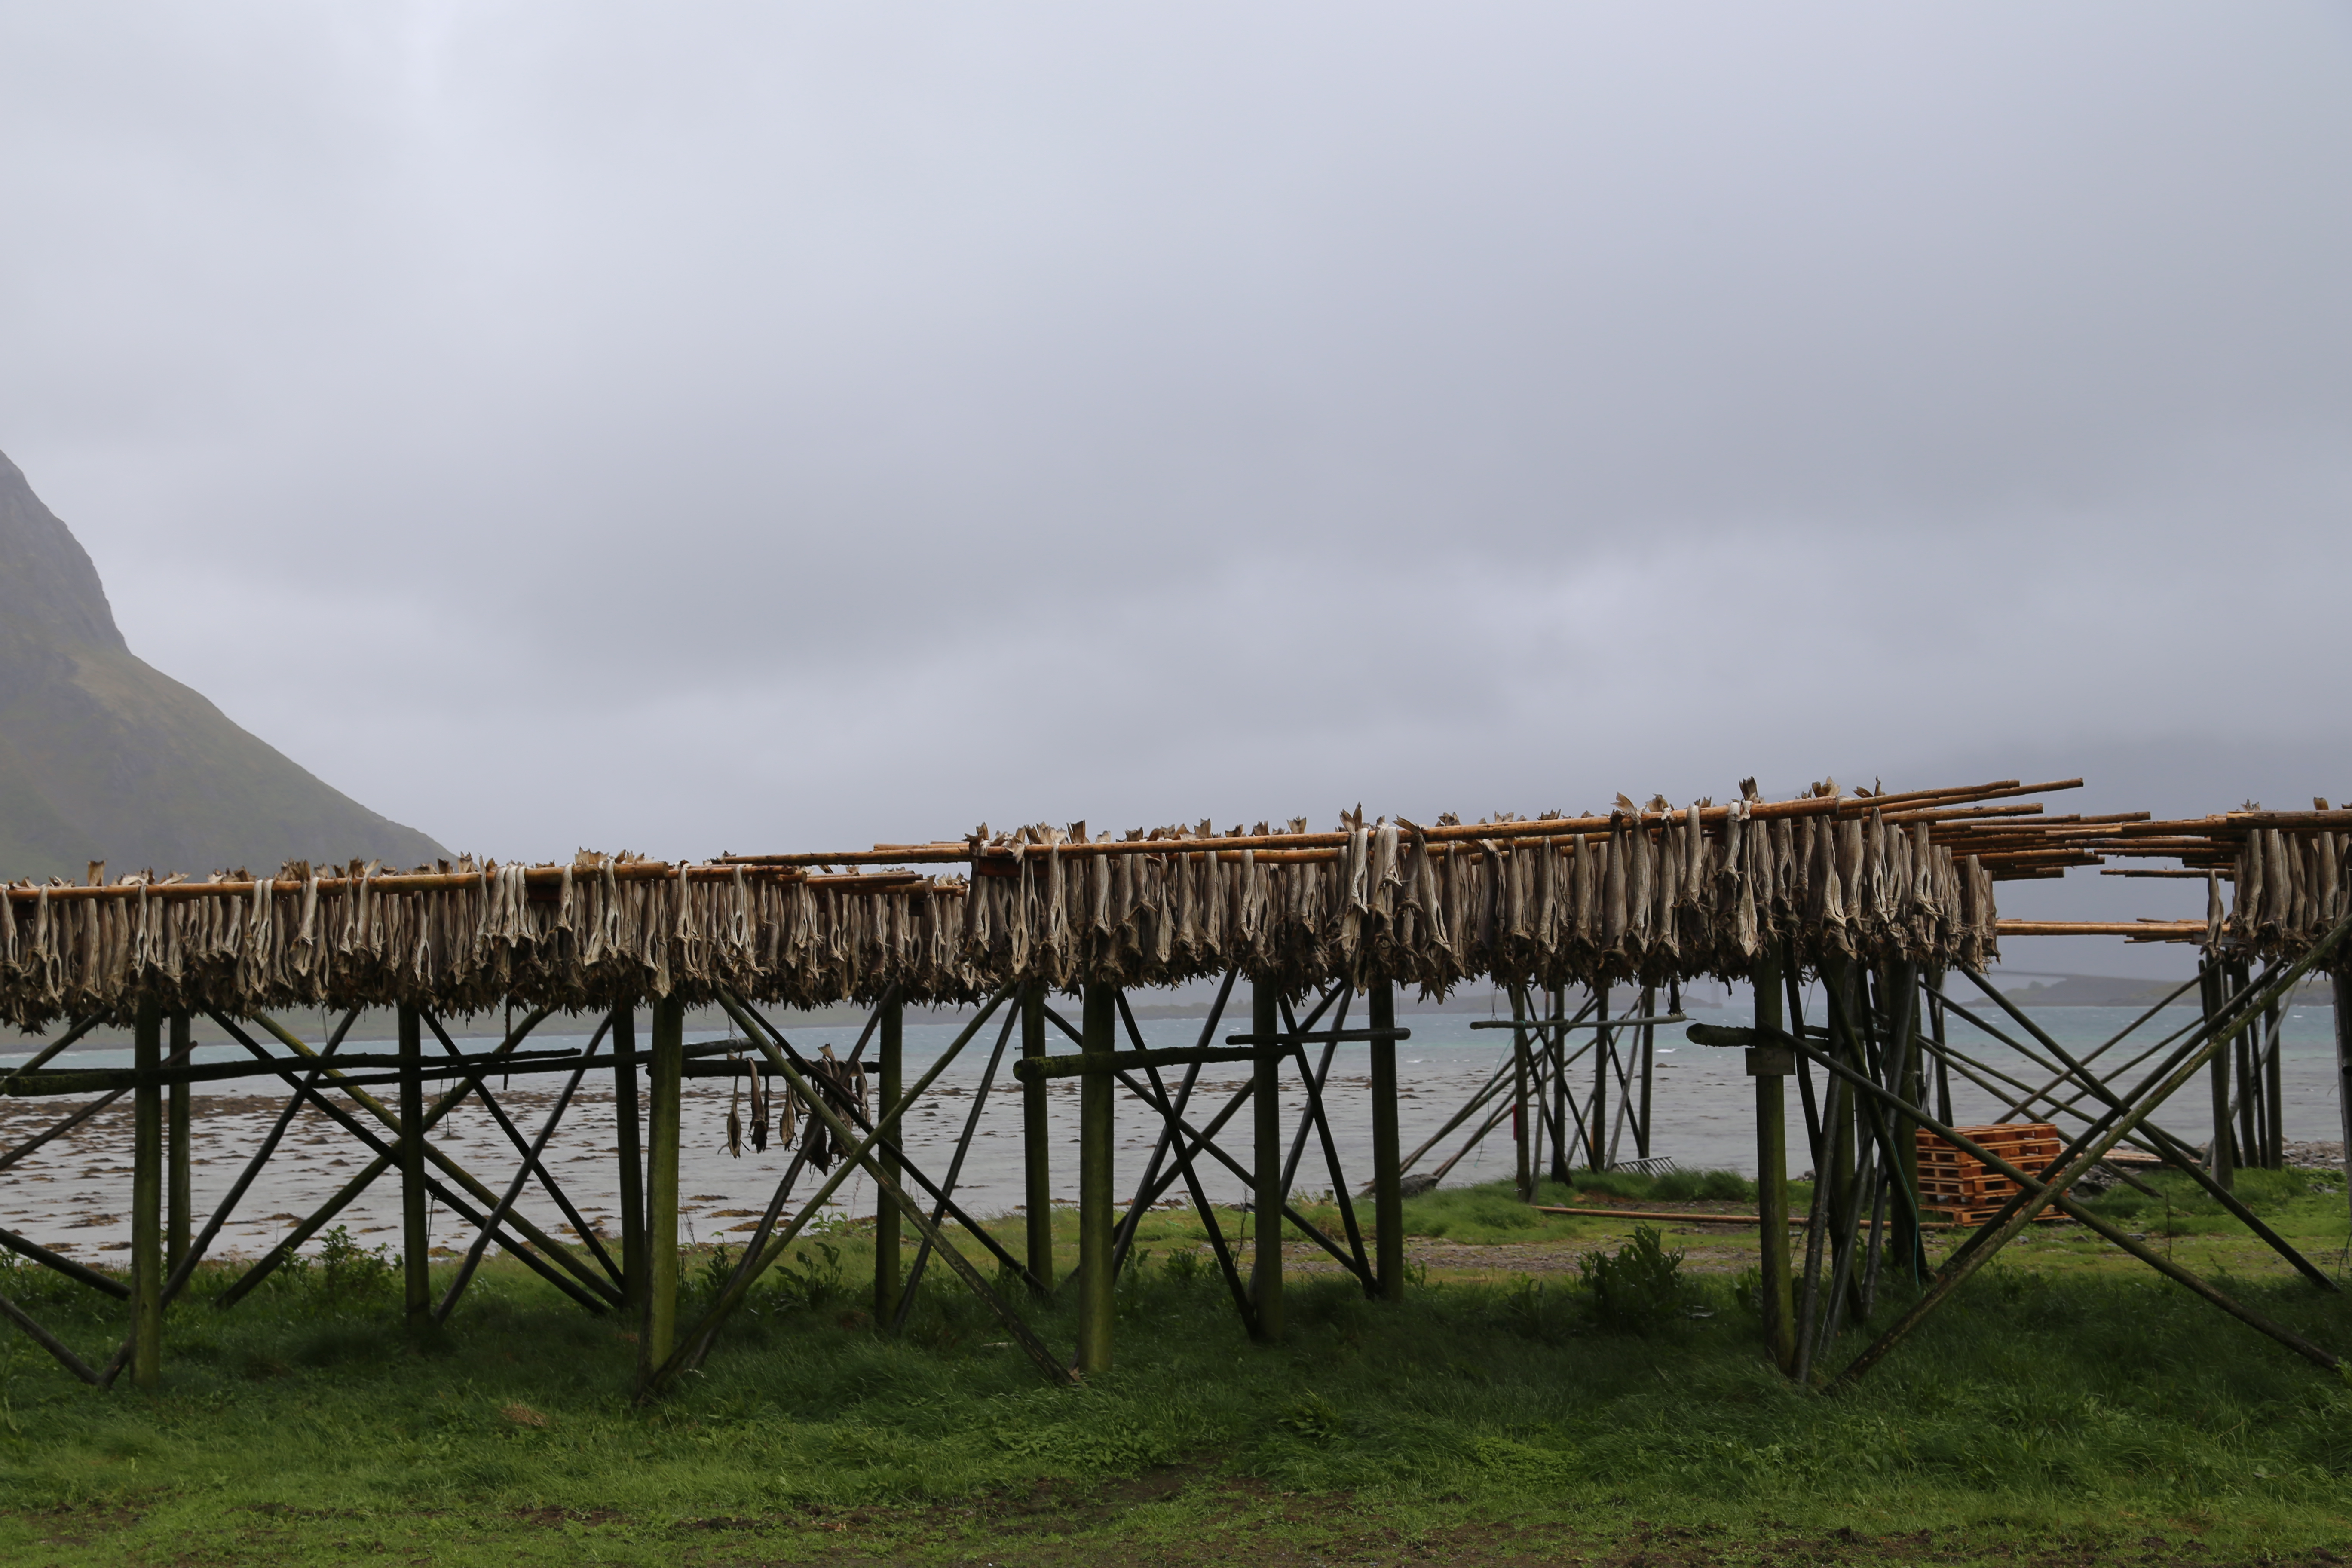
[1882, 896]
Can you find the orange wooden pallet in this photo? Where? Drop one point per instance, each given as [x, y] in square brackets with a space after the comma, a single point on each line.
[1957, 1183]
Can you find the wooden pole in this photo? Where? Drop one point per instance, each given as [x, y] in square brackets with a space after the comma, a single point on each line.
[890, 1085]
[2274, 1131]
[1557, 1049]
[1899, 986]
[1096, 1202]
[2343, 979]
[179, 1194]
[1387, 1170]
[147, 1203]
[1770, 1069]
[1596, 1110]
[1038, 1142]
[1521, 1133]
[664, 1073]
[2218, 1152]
[628, 1122]
[1649, 1060]
[416, 1266]
[1266, 1212]
[2247, 1054]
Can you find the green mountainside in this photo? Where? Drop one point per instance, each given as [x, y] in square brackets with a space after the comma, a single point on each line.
[103, 757]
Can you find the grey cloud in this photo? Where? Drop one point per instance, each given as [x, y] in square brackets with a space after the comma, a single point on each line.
[758, 425]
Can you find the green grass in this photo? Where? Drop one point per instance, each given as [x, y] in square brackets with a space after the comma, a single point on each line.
[305, 1425]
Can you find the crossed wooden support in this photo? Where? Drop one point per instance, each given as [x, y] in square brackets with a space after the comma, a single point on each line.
[1857, 1068]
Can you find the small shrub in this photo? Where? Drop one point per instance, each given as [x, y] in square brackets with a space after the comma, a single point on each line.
[814, 1283]
[346, 1271]
[1184, 1268]
[1640, 1289]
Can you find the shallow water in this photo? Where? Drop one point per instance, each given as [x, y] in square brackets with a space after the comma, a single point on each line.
[74, 1195]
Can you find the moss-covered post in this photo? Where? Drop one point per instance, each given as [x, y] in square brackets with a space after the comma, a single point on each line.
[1596, 1111]
[667, 1069]
[147, 1199]
[416, 1266]
[891, 1080]
[628, 1124]
[1388, 1180]
[1898, 987]
[1095, 1199]
[1522, 1154]
[1037, 1142]
[1770, 1067]
[2343, 979]
[179, 1196]
[1266, 1210]
[1556, 1054]
[2209, 991]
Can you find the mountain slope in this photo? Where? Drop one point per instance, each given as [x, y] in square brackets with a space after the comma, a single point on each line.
[104, 757]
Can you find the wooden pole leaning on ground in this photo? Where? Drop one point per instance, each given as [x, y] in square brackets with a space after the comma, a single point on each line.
[1036, 1143]
[147, 1203]
[1770, 1067]
[666, 1074]
[1387, 1170]
[179, 1196]
[1096, 1309]
[890, 1064]
[1266, 1210]
[628, 1124]
[416, 1277]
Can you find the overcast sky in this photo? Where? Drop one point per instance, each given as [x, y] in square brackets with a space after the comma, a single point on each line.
[787, 425]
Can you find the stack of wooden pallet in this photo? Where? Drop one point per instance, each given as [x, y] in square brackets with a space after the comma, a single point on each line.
[1964, 1187]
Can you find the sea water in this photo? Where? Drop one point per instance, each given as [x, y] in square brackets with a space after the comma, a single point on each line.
[74, 1195]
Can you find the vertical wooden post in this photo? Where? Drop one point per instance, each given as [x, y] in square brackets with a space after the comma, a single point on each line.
[1265, 1204]
[1520, 1131]
[1388, 1178]
[2218, 1156]
[1558, 1049]
[1943, 1067]
[2247, 1049]
[1037, 1141]
[1095, 1200]
[2274, 1093]
[2343, 978]
[147, 1201]
[1596, 1111]
[890, 1085]
[1770, 1068]
[1900, 985]
[664, 1082]
[1649, 1059]
[628, 1122]
[416, 1266]
[179, 1197]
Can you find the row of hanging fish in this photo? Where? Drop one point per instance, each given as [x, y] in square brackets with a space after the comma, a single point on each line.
[2291, 889]
[1647, 901]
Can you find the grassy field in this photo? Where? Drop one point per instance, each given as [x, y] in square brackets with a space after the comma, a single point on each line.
[2067, 1407]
